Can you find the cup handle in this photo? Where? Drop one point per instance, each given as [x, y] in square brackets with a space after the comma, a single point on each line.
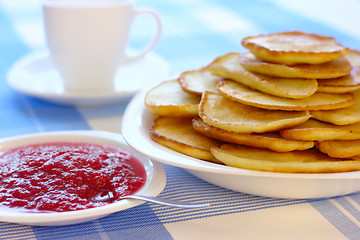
[151, 45]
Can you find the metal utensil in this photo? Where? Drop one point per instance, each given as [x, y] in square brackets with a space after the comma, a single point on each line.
[109, 197]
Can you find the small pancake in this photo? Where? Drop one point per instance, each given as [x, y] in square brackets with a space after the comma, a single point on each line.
[348, 83]
[223, 113]
[198, 81]
[178, 134]
[307, 161]
[168, 99]
[340, 148]
[354, 57]
[314, 130]
[294, 47]
[342, 116]
[332, 69]
[228, 67]
[272, 141]
[318, 101]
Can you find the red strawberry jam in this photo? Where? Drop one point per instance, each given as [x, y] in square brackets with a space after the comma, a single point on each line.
[66, 176]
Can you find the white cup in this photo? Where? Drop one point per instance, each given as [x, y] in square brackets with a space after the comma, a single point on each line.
[88, 40]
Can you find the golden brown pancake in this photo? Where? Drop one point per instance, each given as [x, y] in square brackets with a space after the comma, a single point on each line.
[228, 67]
[178, 134]
[348, 83]
[314, 130]
[168, 99]
[223, 113]
[272, 141]
[354, 57]
[294, 47]
[317, 101]
[342, 116]
[332, 69]
[307, 161]
[198, 81]
[340, 148]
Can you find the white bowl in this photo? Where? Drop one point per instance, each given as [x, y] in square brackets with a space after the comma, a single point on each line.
[135, 128]
[155, 183]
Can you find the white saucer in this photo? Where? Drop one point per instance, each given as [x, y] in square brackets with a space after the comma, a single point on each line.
[35, 75]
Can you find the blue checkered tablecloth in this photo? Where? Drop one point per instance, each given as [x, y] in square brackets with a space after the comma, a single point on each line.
[195, 32]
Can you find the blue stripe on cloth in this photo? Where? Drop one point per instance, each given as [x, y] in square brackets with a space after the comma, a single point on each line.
[183, 186]
[13, 115]
[129, 224]
[11, 231]
[349, 207]
[134, 224]
[21, 115]
[78, 231]
[338, 217]
[356, 199]
[54, 117]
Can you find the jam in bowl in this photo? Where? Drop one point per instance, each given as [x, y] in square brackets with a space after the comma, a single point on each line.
[47, 179]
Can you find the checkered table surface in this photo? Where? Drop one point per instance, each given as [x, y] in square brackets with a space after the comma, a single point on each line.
[195, 32]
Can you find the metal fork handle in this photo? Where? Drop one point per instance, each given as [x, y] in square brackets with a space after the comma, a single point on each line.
[167, 202]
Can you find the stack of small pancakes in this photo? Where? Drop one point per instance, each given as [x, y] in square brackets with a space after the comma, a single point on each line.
[290, 104]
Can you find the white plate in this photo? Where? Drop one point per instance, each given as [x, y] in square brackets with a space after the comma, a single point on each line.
[155, 183]
[135, 127]
[35, 75]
